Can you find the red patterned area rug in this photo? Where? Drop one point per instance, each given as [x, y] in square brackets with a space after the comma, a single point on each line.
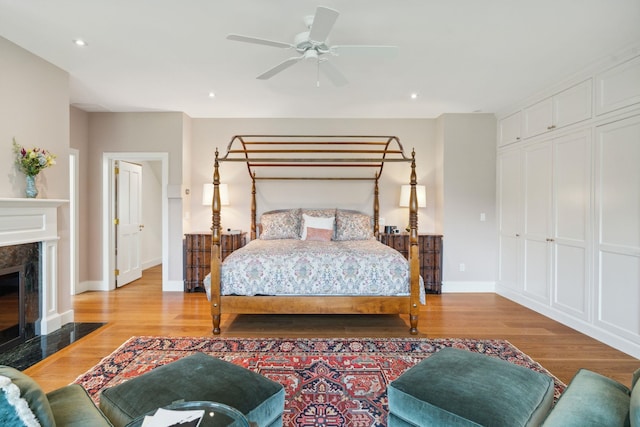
[328, 382]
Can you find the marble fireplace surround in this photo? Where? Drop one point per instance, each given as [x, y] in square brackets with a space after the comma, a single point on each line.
[35, 220]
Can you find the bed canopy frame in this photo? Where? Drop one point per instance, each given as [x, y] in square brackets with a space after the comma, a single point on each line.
[309, 157]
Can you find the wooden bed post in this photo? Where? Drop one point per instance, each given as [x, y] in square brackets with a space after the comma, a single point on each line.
[253, 206]
[414, 256]
[376, 208]
[216, 261]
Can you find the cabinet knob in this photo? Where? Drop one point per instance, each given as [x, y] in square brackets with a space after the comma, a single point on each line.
[517, 235]
[517, 138]
[549, 240]
[551, 127]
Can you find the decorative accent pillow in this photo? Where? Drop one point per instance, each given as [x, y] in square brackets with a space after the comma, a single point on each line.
[316, 222]
[14, 410]
[319, 234]
[320, 213]
[32, 393]
[280, 225]
[353, 226]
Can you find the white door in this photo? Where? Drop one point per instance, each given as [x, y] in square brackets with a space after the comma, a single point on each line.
[509, 219]
[572, 218]
[537, 170]
[128, 222]
[618, 233]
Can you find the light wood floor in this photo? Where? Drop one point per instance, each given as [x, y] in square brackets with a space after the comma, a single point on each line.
[141, 308]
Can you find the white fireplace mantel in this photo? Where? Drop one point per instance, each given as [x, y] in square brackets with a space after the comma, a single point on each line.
[35, 220]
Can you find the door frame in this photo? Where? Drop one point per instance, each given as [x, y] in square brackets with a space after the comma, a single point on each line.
[74, 220]
[108, 210]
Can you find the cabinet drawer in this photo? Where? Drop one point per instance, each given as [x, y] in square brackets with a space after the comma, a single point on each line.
[199, 241]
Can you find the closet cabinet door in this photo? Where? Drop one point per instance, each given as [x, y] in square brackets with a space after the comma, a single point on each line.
[537, 176]
[509, 220]
[538, 118]
[572, 223]
[565, 108]
[509, 129]
[618, 227]
[618, 87]
[572, 105]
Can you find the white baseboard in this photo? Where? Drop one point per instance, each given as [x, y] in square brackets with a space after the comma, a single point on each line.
[173, 286]
[91, 285]
[451, 287]
[616, 341]
[151, 263]
[67, 317]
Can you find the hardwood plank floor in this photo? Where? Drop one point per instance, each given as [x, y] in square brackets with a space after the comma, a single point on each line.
[141, 308]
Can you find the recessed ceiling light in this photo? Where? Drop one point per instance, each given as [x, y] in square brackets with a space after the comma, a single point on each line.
[212, 95]
[414, 96]
[80, 42]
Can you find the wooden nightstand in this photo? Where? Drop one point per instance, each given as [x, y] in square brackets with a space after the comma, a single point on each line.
[430, 250]
[197, 256]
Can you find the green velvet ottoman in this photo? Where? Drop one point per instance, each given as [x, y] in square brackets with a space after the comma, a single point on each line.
[460, 388]
[196, 377]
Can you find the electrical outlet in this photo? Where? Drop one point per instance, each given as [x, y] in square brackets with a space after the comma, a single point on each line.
[463, 267]
[483, 217]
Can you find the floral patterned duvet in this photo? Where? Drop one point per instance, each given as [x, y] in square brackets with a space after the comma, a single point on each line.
[302, 267]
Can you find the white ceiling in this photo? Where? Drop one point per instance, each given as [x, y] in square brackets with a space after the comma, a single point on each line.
[458, 55]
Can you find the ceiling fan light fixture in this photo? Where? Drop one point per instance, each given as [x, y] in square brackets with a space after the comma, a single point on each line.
[311, 54]
[314, 44]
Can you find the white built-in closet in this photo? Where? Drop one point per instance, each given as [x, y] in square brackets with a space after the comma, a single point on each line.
[568, 188]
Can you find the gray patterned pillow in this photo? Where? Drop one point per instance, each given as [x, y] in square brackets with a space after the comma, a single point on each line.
[353, 226]
[280, 225]
[320, 213]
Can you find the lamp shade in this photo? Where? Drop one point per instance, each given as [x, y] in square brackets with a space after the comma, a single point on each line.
[405, 192]
[207, 194]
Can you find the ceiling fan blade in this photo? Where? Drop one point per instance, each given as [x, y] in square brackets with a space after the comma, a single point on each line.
[323, 22]
[333, 74]
[256, 40]
[280, 67]
[365, 50]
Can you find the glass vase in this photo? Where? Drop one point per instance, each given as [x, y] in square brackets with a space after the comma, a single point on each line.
[32, 190]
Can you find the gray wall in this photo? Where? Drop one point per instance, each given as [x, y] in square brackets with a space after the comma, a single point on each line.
[468, 190]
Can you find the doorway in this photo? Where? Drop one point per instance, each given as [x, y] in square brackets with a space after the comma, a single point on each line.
[109, 210]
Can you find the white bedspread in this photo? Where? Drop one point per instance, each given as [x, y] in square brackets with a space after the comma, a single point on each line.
[300, 267]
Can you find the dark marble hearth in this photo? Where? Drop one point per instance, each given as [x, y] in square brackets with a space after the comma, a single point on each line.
[36, 349]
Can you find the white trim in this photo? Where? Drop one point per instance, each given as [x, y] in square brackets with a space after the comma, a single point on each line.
[91, 285]
[108, 213]
[151, 263]
[74, 220]
[614, 340]
[173, 286]
[451, 287]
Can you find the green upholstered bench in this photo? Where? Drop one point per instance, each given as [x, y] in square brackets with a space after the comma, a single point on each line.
[68, 406]
[459, 388]
[195, 378]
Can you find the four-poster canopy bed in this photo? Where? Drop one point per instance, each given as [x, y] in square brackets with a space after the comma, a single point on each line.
[300, 155]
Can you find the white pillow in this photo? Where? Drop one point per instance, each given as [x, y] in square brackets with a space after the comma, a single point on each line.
[316, 222]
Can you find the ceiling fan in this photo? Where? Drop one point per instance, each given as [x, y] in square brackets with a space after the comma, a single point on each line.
[314, 45]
